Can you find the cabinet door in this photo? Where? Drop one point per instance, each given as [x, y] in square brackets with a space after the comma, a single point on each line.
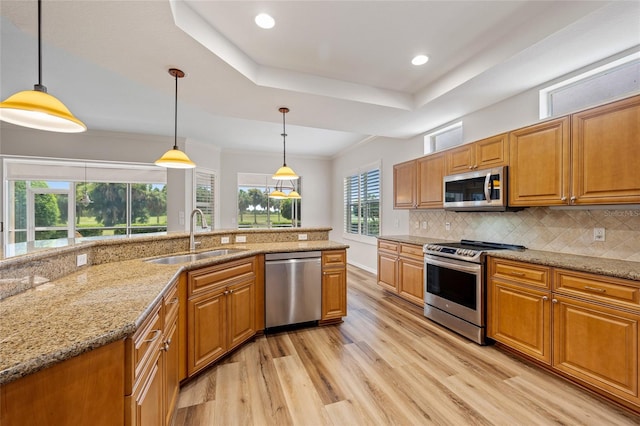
[520, 317]
[149, 408]
[206, 332]
[334, 293]
[598, 345]
[492, 152]
[404, 185]
[171, 364]
[387, 271]
[411, 280]
[461, 159]
[540, 164]
[241, 313]
[605, 152]
[430, 170]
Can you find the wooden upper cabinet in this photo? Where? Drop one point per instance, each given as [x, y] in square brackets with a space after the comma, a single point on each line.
[539, 170]
[485, 153]
[606, 153]
[404, 185]
[430, 174]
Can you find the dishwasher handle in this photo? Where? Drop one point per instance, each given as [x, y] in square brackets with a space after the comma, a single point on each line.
[301, 255]
[292, 261]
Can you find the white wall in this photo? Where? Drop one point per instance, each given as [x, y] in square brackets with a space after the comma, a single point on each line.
[362, 251]
[315, 174]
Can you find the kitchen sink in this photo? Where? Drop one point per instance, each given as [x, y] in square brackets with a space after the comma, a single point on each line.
[192, 257]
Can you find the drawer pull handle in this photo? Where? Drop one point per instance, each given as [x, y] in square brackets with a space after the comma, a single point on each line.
[599, 290]
[172, 301]
[517, 274]
[156, 334]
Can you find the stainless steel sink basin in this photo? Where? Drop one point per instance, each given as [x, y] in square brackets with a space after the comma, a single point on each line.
[192, 257]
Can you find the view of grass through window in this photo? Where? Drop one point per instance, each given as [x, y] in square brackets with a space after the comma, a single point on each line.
[257, 210]
[40, 210]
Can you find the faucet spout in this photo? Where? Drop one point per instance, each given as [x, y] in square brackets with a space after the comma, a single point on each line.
[203, 221]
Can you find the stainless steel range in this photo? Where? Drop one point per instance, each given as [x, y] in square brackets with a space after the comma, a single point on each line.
[455, 285]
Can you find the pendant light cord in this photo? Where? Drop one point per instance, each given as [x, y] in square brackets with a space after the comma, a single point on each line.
[284, 138]
[39, 87]
[175, 117]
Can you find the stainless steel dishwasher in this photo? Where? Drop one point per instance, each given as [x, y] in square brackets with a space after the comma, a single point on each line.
[293, 288]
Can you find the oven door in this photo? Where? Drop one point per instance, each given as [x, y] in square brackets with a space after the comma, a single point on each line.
[455, 287]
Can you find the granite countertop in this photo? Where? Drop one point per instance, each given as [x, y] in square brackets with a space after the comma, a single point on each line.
[97, 305]
[597, 265]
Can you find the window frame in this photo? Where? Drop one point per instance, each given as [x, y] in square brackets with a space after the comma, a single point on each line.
[348, 181]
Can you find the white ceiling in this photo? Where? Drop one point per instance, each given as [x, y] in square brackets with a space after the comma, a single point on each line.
[342, 67]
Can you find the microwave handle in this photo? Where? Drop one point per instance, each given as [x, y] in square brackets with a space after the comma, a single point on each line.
[487, 187]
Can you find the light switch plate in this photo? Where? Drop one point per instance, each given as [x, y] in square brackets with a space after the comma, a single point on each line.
[241, 239]
[224, 240]
[302, 237]
[81, 259]
[598, 234]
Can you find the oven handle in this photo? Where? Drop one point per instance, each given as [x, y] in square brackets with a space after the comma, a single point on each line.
[487, 187]
[473, 268]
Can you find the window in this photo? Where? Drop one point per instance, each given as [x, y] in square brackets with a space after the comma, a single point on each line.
[46, 201]
[362, 202]
[205, 184]
[443, 138]
[257, 210]
[607, 82]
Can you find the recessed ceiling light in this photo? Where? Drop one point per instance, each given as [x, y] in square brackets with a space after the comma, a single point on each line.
[420, 60]
[265, 21]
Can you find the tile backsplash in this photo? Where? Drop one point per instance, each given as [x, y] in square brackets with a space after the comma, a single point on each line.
[540, 228]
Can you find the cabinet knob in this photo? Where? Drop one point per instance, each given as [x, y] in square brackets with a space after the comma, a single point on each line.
[545, 298]
[226, 292]
[554, 300]
[573, 200]
[563, 198]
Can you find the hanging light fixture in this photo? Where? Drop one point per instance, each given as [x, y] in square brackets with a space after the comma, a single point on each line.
[85, 201]
[36, 108]
[174, 158]
[284, 172]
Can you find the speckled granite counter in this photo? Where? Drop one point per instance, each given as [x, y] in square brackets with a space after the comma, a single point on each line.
[596, 265]
[95, 306]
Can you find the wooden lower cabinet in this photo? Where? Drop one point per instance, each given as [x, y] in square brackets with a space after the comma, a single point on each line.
[401, 270]
[597, 345]
[334, 285]
[220, 311]
[83, 390]
[585, 327]
[148, 403]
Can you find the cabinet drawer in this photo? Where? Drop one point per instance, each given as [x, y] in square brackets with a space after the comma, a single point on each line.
[412, 251]
[223, 274]
[388, 246]
[610, 290]
[170, 304]
[146, 342]
[523, 273]
[334, 258]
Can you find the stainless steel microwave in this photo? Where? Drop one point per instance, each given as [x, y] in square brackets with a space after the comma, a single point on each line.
[480, 190]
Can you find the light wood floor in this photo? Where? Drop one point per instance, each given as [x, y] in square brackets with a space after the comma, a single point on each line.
[386, 364]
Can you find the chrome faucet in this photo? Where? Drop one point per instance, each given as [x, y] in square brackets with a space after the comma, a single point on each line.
[192, 238]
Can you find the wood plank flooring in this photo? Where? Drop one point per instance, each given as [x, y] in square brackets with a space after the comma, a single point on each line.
[384, 365]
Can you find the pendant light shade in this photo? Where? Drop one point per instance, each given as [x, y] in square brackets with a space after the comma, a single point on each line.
[284, 172]
[36, 108]
[174, 158]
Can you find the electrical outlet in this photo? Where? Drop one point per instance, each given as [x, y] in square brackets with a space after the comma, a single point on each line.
[181, 217]
[81, 259]
[424, 224]
[224, 240]
[447, 226]
[241, 239]
[598, 234]
[302, 237]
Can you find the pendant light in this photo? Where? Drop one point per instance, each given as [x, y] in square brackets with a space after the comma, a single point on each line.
[36, 108]
[174, 158]
[85, 201]
[284, 172]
